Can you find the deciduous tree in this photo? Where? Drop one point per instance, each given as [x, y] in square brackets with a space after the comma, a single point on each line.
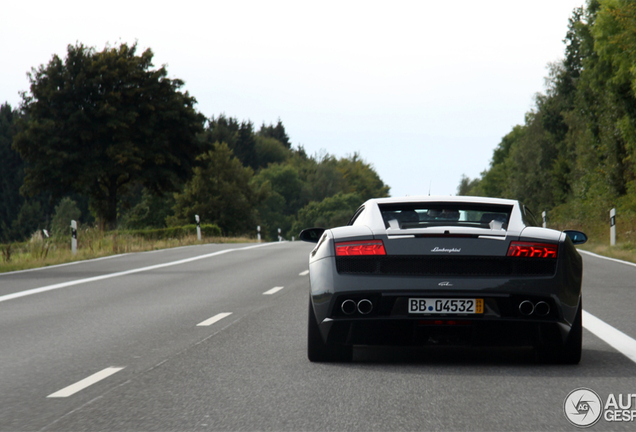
[11, 172]
[219, 192]
[99, 122]
[330, 212]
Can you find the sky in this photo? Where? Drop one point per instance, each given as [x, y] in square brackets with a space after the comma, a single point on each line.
[422, 90]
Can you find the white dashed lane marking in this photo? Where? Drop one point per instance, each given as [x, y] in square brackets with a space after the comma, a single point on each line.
[305, 273]
[86, 382]
[215, 318]
[273, 290]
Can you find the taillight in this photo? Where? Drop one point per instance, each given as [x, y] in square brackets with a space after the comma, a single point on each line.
[359, 248]
[533, 250]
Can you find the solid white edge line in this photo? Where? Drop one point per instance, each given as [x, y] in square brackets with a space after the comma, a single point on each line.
[305, 273]
[215, 318]
[612, 336]
[273, 290]
[124, 273]
[607, 258]
[109, 257]
[86, 382]
[65, 264]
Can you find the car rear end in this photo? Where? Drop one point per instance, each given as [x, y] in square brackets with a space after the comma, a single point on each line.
[445, 275]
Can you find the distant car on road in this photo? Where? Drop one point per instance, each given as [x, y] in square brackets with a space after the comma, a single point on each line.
[422, 271]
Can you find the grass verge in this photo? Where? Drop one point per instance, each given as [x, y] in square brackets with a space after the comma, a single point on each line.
[92, 243]
[598, 234]
[622, 251]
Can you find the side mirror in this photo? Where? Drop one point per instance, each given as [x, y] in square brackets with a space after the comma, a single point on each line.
[311, 235]
[577, 237]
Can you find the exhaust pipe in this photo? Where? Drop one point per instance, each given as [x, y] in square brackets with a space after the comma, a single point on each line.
[348, 307]
[365, 306]
[526, 307]
[542, 308]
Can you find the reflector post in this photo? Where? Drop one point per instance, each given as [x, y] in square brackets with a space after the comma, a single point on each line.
[360, 248]
[533, 250]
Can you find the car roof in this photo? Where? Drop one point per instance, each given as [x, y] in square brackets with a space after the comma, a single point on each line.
[440, 198]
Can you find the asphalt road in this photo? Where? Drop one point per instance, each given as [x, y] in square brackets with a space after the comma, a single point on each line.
[187, 339]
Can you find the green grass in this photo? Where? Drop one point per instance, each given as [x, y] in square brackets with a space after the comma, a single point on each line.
[92, 243]
[625, 251]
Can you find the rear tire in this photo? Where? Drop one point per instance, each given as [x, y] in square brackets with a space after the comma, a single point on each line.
[318, 350]
[570, 352]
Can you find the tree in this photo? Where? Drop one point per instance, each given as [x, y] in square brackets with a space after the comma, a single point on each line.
[269, 151]
[467, 186]
[28, 221]
[151, 211]
[239, 137]
[282, 191]
[361, 178]
[99, 122]
[330, 212]
[65, 212]
[11, 172]
[219, 192]
[285, 181]
[277, 132]
[537, 162]
[319, 174]
[221, 129]
[575, 155]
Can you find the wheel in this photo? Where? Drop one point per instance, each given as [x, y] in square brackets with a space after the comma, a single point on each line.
[570, 351]
[318, 350]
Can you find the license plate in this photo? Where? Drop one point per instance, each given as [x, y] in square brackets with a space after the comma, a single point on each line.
[446, 306]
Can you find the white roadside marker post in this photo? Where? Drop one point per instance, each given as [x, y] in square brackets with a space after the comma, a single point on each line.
[74, 237]
[258, 233]
[196, 217]
[279, 236]
[545, 224]
[613, 227]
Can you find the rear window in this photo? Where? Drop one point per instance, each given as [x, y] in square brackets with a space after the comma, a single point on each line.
[423, 215]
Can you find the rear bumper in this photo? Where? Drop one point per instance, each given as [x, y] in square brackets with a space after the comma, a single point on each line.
[386, 331]
[503, 322]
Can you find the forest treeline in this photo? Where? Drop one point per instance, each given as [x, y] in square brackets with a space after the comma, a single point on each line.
[105, 138]
[575, 154]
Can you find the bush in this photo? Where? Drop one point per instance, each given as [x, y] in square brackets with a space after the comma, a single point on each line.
[65, 211]
[207, 230]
